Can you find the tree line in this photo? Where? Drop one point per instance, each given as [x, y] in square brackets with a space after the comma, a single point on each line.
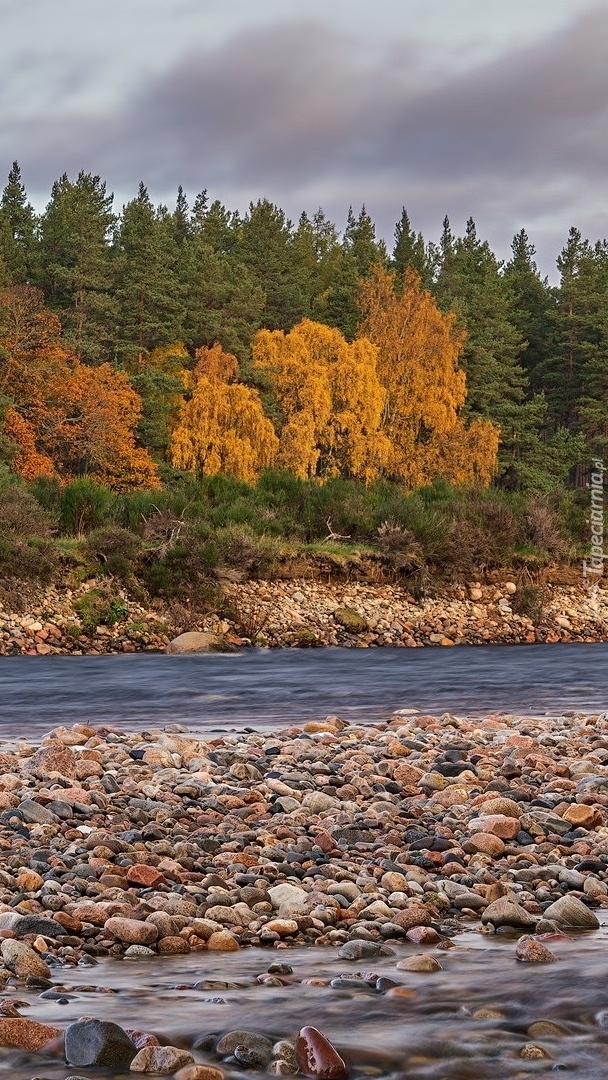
[197, 339]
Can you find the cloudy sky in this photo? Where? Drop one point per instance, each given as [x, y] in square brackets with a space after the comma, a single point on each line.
[467, 107]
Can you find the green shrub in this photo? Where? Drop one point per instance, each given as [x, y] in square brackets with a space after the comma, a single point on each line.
[241, 549]
[33, 559]
[114, 549]
[84, 505]
[99, 607]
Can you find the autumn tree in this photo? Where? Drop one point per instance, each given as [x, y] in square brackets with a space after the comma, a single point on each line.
[418, 354]
[330, 400]
[65, 419]
[222, 427]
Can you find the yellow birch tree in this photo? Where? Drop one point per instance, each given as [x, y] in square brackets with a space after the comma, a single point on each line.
[222, 427]
[418, 352]
[330, 399]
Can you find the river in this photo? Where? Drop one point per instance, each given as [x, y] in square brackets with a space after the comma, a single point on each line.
[271, 687]
[433, 1035]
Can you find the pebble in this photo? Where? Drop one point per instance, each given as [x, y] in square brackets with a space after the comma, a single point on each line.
[531, 951]
[160, 1060]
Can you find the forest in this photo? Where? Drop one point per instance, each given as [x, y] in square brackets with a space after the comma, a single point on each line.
[153, 349]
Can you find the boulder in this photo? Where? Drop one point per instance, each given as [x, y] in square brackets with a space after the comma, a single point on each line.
[351, 620]
[98, 1042]
[198, 642]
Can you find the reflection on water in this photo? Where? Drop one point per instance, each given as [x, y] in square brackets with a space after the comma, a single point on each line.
[431, 1035]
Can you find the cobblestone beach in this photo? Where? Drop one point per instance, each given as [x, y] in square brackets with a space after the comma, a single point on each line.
[305, 614]
[379, 847]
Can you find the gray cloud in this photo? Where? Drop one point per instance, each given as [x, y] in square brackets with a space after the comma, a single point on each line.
[306, 115]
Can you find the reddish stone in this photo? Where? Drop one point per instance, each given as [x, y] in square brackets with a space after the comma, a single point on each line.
[26, 1034]
[423, 935]
[146, 876]
[317, 1057]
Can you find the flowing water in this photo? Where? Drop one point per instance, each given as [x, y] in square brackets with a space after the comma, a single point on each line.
[431, 1034]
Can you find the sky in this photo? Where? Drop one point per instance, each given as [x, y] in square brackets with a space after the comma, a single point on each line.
[485, 108]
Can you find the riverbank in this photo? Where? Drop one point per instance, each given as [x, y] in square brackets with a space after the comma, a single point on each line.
[385, 846]
[99, 617]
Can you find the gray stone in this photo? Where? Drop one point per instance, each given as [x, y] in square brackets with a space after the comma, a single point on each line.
[98, 1042]
[34, 813]
[570, 912]
[246, 1041]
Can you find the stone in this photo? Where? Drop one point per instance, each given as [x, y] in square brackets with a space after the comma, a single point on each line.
[39, 924]
[173, 945]
[33, 813]
[198, 642]
[52, 759]
[423, 935]
[486, 843]
[505, 912]
[359, 950]
[500, 825]
[26, 1034]
[282, 927]
[258, 1046]
[293, 895]
[583, 817]
[351, 620]
[146, 876]
[414, 915]
[222, 941]
[199, 1072]
[571, 913]
[317, 802]
[531, 951]
[421, 962]
[22, 960]
[131, 931]
[317, 1057]
[160, 1060]
[98, 1042]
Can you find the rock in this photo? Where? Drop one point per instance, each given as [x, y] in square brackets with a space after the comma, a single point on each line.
[317, 802]
[570, 912]
[160, 1060]
[293, 895]
[248, 1041]
[33, 813]
[317, 1057]
[198, 642]
[52, 759]
[531, 951]
[351, 620]
[131, 931]
[22, 960]
[423, 935]
[146, 876]
[26, 1034]
[38, 924]
[505, 912]
[420, 962]
[359, 950]
[98, 1042]
[583, 817]
[222, 941]
[199, 1072]
[414, 915]
[282, 927]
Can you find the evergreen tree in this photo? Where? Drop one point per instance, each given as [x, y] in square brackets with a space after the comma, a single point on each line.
[317, 251]
[410, 250]
[17, 230]
[181, 218]
[75, 270]
[532, 302]
[148, 291]
[266, 247]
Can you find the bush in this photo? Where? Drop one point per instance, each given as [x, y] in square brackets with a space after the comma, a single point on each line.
[241, 549]
[22, 516]
[99, 607]
[115, 549]
[36, 558]
[84, 505]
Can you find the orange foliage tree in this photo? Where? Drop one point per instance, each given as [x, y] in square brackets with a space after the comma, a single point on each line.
[66, 419]
[222, 427]
[330, 399]
[418, 352]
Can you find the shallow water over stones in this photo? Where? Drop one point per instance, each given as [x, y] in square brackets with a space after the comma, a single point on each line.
[477, 1018]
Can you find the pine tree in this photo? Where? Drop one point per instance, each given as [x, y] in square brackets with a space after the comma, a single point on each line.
[148, 291]
[17, 230]
[266, 247]
[75, 270]
[410, 250]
